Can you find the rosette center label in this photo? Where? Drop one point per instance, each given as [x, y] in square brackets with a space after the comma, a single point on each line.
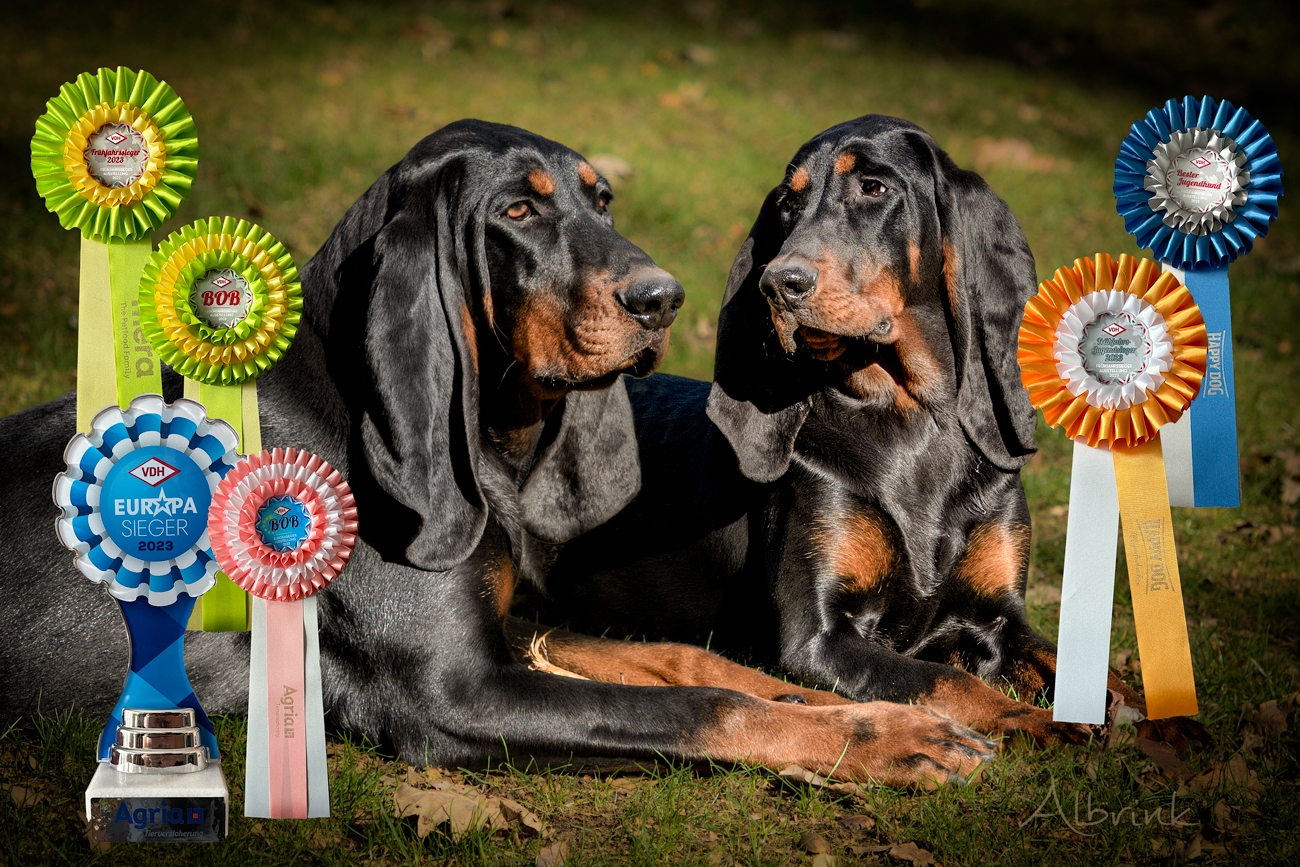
[155, 503]
[283, 524]
[1199, 179]
[221, 298]
[116, 155]
[1115, 348]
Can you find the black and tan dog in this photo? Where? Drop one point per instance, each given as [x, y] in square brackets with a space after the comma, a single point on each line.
[465, 329]
[844, 502]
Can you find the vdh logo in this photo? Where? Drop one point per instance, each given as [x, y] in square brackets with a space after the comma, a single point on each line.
[143, 817]
[1114, 329]
[282, 511]
[116, 137]
[162, 505]
[1200, 162]
[154, 472]
[222, 282]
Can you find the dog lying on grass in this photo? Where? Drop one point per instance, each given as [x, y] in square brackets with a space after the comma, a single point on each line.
[465, 331]
[844, 503]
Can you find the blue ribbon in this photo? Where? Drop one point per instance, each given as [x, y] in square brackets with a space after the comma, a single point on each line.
[1214, 412]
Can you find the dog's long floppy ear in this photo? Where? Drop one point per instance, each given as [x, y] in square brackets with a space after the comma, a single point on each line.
[756, 401]
[403, 264]
[990, 276]
[588, 471]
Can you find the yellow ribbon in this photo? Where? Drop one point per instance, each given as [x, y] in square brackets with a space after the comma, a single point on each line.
[115, 361]
[1158, 612]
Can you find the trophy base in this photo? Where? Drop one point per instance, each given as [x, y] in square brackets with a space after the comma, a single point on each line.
[180, 808]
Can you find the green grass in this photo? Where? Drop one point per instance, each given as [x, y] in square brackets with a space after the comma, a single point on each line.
[300, 108]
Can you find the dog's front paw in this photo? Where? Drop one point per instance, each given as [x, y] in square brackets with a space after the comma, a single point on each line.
[908, 745]
[1037, 725]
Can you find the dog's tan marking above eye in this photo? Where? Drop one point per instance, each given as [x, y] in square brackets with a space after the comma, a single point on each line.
[587, 174]
[844, 163]
[863, 555]
[471, 335]
[541, 182]
[799, 180]
[995, 558]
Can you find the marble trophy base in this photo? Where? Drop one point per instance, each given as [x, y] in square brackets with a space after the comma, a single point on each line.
[135, 808]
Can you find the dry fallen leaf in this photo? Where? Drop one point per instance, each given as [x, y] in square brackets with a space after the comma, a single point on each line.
[23, 796]
[1232, 774]
[814, 844]
[554, 855]
[516, 812]
[1165, 758]
[858, 823]
[913, 853]
[1270, 719]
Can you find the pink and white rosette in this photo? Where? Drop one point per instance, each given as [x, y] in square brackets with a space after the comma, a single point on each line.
[283, 524]
[261, 570]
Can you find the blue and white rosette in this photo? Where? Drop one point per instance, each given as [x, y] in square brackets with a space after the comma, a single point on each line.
[150, 542]
[1197, 182]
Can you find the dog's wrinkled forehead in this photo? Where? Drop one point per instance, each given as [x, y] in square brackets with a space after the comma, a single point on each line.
[883, 149]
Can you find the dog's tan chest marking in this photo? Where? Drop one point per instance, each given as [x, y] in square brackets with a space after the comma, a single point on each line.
[862, 554]
[995, 558]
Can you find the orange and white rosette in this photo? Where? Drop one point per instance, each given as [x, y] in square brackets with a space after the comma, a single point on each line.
[1111, 350]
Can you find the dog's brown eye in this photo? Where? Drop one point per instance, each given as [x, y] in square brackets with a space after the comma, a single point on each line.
[874, 189]
[519, 211]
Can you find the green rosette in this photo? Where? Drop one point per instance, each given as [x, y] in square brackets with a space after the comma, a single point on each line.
[220, 301]
[114, 154]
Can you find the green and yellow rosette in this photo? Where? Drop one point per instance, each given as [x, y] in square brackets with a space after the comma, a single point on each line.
[220, 302]
[113, 156]
[1112, 350]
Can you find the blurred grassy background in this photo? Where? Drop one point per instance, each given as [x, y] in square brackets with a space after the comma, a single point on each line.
[300, 106]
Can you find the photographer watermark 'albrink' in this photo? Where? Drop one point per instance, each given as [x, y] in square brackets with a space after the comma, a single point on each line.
[1087, 816]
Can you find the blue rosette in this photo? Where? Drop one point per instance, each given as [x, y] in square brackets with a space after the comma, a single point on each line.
[1197, 182]
[135, 498]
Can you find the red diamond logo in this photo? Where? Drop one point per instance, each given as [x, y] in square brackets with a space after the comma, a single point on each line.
[1114, 329]
[222, 282]
[282, 511]
[154, 472]
[116, 137]
[1201, 162]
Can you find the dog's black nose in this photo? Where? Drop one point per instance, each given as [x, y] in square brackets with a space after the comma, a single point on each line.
[653, 301]
[788, 284]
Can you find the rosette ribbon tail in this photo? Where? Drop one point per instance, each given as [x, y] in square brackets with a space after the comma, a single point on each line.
[1087, 589]
[287, 775]
[113, 367]
[1158, 613]
[1205, 471]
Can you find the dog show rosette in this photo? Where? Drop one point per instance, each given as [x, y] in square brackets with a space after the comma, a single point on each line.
[220, 302]
[1113, 351]
[134, 498]
[283, 525]
[1197, 182]
[115, 154]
